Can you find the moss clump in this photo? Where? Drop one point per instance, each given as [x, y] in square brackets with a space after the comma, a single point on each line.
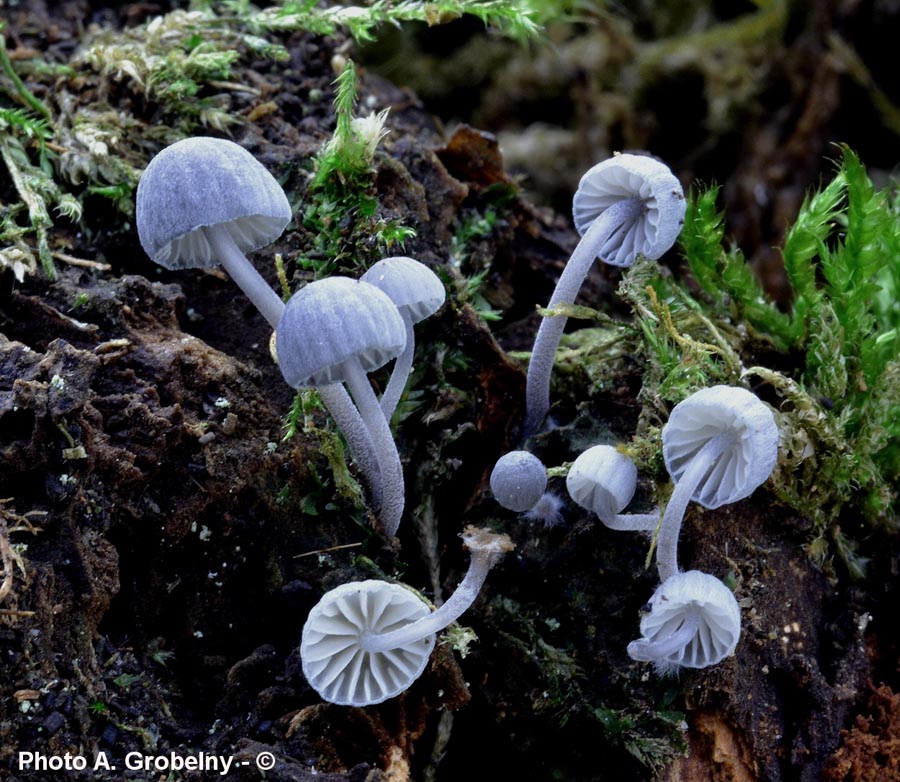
[840, 401]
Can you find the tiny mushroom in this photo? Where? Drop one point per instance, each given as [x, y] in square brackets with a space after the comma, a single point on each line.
[625, 206]
[518, 481]
[203, 201]
[719, 445]
[603, 480]
[418, 293]
[366, 642]
[335, 330]
[692, 621]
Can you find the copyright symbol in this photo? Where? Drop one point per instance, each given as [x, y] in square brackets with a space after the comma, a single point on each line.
[265, 761]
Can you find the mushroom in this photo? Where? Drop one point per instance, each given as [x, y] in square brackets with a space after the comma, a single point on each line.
[333, 660]
[624, 206]
[203, 201]
[518, 481]
[603, 480]
[719, 445]
[692, 621]
[418, 293]
[366, 642]
[335, 330]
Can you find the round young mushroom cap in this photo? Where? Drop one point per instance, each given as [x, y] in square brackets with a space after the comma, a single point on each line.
[692, 598]
[333, 659]
[411, 285]
[602, 480]
[200, 182]
[334, 320]
[748, 459]
[518, 480]
[623, 177]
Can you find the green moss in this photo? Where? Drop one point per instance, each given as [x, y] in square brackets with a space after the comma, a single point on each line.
[181, 64]
[840, 406]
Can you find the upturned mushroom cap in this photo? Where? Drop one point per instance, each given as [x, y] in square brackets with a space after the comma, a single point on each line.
[411, 285]
[518, 480]
[199, 182]
[602, 480]
[749, 459]
[331, 321]
[332, 657]
[719, 627]
[632, 176]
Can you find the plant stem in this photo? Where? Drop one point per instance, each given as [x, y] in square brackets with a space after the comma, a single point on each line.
[24, 93]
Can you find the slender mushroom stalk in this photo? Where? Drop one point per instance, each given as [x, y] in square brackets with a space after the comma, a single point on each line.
[369, 641]
[603, 480]
[624, 206]
[487, 549]
[719, 445]
[333, 331]
[697, 470]
[248, 279]
[418, 293]
[692, 621]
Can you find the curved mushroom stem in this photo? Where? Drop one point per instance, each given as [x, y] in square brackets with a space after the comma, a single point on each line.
[341, 408]
[631, 522]
[400, 372]
[271, 307]
[457, 604]
[384, 447]
[646, 650]
[701, 464]
[540, 367]
[244, 273]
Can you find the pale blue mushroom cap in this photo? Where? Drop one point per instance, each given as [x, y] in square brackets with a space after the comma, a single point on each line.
[626, 176]
[332, 321]
[410, 284]
[200, 182]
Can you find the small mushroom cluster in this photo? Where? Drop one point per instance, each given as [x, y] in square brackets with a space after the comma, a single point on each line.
[204, 201]
[719, 445]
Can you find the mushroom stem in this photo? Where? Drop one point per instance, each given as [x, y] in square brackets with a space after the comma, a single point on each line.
[334, 397]
[591, 246]
[697, 470]
[244, 273]
[400, 372]
[345, 414]
[632, 522]
[450, 611]
[651, 651]
[383, 443]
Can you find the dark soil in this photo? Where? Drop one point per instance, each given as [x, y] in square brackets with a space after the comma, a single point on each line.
[164, 573]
